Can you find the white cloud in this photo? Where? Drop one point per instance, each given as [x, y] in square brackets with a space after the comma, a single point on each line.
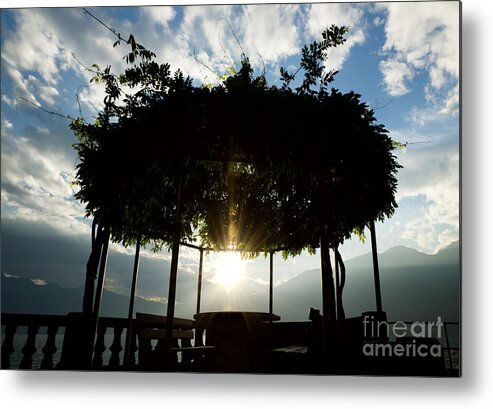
[322, 16]
[161, 15]
[396, 74]
[422, 36]
[39, 281]
[20, 86]
[36, 183]
[433, 173]
[271, 31]
[35, 44]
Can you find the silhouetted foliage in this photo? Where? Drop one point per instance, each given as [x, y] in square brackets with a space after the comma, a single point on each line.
[257, 162]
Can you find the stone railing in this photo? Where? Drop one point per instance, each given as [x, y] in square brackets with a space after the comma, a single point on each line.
[33, 341]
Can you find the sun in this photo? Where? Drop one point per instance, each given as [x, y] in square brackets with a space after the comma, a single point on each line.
[229, 269]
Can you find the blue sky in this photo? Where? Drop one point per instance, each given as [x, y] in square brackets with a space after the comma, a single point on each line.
[403, 58]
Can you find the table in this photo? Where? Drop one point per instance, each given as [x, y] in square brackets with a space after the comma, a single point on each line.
[239, 338]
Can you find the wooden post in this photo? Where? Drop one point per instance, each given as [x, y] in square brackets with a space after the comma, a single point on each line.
[376, 272]
[328, 289]
[342, 280]
[338, 284]
[174, 268]
[92, 269]
[106, 233]
[102, 272]
[199, 284]
[271, 282]
[129, 334]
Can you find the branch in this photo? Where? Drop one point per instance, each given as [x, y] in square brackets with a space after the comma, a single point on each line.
[234, 34]
[78, 100]
[205, 65]
[384, 105]
[84, 66]
[112, 30]
[430, 140]
[45, 110]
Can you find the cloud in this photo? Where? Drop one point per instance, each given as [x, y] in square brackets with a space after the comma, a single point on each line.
[422, 37]
[432, 173]
[36, 249]
[272, 42]
[36, 180]
[39, 48]
[396, 74]
[36, 175]
[161, 16]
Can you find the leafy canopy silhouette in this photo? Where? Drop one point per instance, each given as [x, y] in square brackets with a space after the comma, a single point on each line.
[258, 167]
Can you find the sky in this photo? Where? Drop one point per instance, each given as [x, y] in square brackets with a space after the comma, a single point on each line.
[403, 58]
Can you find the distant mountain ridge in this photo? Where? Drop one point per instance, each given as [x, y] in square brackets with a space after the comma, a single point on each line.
[415, 286]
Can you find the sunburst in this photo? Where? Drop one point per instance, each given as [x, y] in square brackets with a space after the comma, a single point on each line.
[229, 270]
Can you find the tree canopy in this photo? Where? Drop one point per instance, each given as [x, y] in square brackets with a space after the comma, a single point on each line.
[258, 167]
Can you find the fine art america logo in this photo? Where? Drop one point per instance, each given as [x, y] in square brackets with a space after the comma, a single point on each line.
[410, 338]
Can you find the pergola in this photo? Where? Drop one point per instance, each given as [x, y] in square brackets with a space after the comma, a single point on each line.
[264, 169]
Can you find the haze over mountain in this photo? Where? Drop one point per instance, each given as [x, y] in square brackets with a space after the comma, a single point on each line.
[415, 286]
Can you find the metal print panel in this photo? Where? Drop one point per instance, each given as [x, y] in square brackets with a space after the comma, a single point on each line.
[245, 188]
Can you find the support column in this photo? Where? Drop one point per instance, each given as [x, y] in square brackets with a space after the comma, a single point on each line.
[338, 284]
[92, 268]
[199, 284]
[106, 233]
[129, 334]
[376, 271]
[328, 288]
[174, 268]
[271, 282]
[102, 271]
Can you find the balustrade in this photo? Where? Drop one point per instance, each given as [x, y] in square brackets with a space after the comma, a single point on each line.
[23, 334]
[34, 342]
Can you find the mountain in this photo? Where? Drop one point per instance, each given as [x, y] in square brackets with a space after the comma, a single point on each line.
[414, 285]
[24, 296]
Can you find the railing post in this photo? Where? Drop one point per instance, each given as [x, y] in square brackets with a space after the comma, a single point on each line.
[99, 348]
[116, 347]
[8, 345]
[448, 347]
[133, 349]
[29, 348]
[50, 348]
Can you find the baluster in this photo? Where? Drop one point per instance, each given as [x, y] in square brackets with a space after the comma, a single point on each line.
[186, 357]
[50, 348]
[99, 348]
[116, 347]
[29, 348]
[133, 349]
[8, 345]
[199, 336]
